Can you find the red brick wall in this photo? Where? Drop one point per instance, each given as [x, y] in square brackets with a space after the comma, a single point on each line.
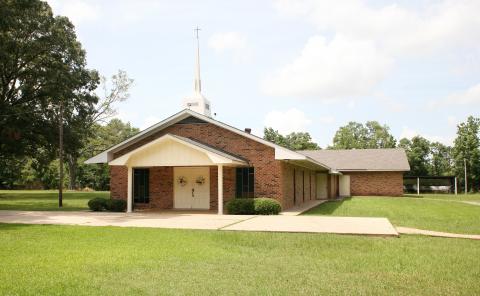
[161, 188]
[287, 199]
[376, 183]
[262, 157]
[228, 186]
[118, 182]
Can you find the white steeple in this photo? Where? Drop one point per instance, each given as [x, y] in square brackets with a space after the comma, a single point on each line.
[197, 102]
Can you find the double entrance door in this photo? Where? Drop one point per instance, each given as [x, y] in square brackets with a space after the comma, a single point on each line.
[191, 188]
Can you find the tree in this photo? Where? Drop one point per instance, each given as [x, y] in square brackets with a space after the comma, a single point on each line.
[378, 136]
[467, 147]
[103, 137]
[441, 159]
[294, 141]
[114, 91]
[418, 152]
[355, 135]
[42, 64]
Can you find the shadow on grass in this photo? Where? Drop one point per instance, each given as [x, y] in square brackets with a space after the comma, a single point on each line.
[19, 226]
[328, 207]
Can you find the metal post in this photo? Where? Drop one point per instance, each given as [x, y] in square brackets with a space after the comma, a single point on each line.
[418, 186]
[456, 186]
[60, 156]
[465, 166]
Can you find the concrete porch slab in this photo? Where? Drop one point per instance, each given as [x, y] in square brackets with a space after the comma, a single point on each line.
[156, 220]
[281, 223]
[297, 210]
[341, 225]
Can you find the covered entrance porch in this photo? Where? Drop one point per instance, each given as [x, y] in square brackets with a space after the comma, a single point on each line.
[174, 172]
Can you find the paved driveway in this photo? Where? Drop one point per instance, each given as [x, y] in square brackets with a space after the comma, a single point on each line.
[315, 224]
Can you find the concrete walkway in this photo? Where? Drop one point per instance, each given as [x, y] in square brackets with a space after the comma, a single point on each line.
[311, 224]
[408, 230]
[158, 220]
[297, 210]
[317, 224]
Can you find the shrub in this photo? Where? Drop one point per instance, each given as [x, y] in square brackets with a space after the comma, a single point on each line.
[241, 206]
[116, 205]
[267, 206]
[97, 204]
[253, 206]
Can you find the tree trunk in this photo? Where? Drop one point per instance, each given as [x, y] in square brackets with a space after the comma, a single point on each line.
[72, 171]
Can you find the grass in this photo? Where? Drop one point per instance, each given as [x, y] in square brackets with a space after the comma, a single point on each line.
[45, 200]
[82, 260]
[433, 212]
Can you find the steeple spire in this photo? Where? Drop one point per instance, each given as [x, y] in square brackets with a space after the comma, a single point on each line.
[198, 81]
[197, 102]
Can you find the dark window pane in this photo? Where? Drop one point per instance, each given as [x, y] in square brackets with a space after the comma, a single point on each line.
[141, 185]
[245, 182]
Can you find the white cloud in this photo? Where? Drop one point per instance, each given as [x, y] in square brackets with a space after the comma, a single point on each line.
[326, 119]
[394, 28]
[366, 40]
[286, 122]
[410, 133]
[471, 96]
[149, 121]
[390, 103]
[326, 70]
[452, 120]
[233, 42]
[77, 11]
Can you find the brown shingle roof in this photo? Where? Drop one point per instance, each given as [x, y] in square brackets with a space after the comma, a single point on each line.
[362, 159]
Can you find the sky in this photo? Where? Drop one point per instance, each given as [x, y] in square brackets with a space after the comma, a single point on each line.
[292, 65]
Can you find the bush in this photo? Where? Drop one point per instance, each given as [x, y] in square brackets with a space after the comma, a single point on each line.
[253, 206]
[97, 204]
[116, 205]
[241, 206]
[267, 206]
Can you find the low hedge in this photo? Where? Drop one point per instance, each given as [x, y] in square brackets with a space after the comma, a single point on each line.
[99, 204]
[267, 206]
[253, 206]
[116, 205]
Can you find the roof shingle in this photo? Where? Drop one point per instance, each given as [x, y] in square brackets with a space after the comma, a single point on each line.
[362, 159]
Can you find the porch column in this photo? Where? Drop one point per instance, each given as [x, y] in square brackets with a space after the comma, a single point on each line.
[220, 189]
[129, 190]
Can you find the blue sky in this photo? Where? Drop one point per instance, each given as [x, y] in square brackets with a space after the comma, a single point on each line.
[294, 65]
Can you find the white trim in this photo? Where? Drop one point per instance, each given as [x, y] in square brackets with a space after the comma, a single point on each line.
[129, 190]
[215, 158]
[220, 189]
[281, 153]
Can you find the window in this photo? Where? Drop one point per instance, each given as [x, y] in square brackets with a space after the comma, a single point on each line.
[245, 182]
[141, 185]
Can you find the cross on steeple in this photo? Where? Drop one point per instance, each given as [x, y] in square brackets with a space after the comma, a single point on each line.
[198, 83]
[196, 31]
[197, 102]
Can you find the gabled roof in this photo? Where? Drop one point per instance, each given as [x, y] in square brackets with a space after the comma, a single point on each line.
[214, 155]
[362, 159]
[281, 153]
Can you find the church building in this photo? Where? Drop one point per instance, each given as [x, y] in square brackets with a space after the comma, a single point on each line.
[193, 161]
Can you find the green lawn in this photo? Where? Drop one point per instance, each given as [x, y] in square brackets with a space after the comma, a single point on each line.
[432, 212]
[82, 260]
[46, 200]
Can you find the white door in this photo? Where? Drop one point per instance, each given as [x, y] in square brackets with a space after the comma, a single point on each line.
[191, 188]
